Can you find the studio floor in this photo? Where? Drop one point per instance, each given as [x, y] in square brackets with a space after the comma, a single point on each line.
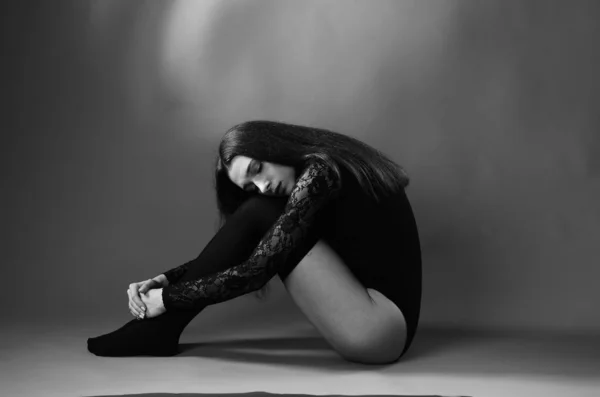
[50, 359]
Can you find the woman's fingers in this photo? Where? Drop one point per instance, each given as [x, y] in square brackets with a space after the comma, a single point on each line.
[143, 288]
[146, 286]
[133, 305]
[134, 312]
[135, 297]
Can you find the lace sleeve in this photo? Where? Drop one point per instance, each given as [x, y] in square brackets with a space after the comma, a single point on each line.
[316, 186]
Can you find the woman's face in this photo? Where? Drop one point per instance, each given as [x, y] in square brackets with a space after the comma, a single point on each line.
[268, 178]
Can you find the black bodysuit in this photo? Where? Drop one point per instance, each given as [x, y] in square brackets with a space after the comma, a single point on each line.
[379, 242]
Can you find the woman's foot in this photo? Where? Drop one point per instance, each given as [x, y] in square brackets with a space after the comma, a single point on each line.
[148, 337]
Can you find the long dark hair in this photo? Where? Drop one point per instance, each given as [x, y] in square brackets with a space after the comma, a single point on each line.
[295, 145]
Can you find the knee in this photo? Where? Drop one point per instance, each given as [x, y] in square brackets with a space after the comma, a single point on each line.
[261, 211]
[370, 353]
[378, 344]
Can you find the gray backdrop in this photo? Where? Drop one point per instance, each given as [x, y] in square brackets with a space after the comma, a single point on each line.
[112, 112]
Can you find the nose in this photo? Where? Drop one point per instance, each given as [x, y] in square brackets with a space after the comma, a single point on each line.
[263, 186]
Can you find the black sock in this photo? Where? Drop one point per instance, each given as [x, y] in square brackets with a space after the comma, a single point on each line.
[157, 336]
[233, 243]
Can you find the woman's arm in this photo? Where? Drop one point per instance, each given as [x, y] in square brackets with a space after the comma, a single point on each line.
[287, 240]
[234, 242]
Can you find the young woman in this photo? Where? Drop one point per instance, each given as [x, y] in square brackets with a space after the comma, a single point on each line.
[325, 212]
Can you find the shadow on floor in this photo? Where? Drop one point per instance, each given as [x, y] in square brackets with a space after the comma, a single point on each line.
[431, 352]
[310, 352]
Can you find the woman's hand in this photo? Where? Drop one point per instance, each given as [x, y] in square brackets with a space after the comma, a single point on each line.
[154, 303]
[136, 305]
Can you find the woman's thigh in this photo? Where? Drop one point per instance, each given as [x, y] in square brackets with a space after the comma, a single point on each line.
[360, 323]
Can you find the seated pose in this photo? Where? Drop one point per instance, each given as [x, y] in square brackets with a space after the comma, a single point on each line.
[325, 212]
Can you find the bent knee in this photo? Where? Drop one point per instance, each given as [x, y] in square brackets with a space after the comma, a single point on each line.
[258, 213]
[382, 346]
[370, 355]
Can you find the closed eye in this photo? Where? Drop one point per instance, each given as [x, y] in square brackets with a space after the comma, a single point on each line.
[255, 167]
[258, 167]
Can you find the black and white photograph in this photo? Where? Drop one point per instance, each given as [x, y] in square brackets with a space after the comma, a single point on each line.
[300, 198]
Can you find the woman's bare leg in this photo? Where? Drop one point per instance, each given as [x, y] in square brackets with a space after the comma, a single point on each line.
[360, 323]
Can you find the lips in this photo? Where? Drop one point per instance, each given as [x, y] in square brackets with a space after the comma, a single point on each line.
[278, 188]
